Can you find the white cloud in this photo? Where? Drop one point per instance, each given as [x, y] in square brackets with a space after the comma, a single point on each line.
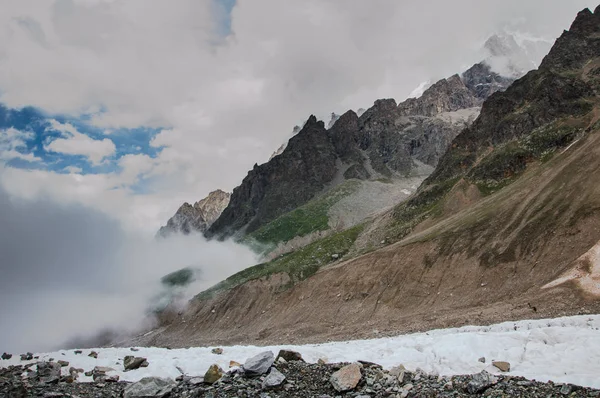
[226, 103]
[12, 139]
[76, 143]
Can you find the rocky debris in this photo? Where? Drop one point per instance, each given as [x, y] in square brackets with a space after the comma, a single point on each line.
[130, 362]
[149, 387]
[289, 355]
[93, 354]
[48, 372]
[217, 351]
[197, 217]
[274, 379]
[213, 374]
[502, 365]
[480, 382]
[27, 357]
[301, 380]
[259, 364]
[346, 378]
[6, 356]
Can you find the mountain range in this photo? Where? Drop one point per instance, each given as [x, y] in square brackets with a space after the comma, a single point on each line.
[503, 223]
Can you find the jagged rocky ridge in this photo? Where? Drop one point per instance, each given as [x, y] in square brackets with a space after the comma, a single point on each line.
[197, 217]
[387, 140]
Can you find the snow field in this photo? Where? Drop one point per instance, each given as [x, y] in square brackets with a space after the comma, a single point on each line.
[565, 350]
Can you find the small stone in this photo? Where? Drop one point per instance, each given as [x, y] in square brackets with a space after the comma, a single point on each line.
[217, 351]
[234, 364]
[213, 374]
[27, 357]
[502, 365]
[274, 379]
[290, 355]
[63, 363]
[482, 359]
[346, 378]
[134, 349]
[77, 352]
[6, 356]
[93, 354]
[259, 364]
[89, 373]
[322, 361]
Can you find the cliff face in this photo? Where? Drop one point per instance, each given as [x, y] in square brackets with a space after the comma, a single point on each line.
[198, 217]
[387, 140]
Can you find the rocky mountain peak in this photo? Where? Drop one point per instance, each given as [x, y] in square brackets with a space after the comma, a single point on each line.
[577, 45]
[197, 217]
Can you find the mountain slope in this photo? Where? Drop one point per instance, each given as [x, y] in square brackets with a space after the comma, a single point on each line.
[506, 227]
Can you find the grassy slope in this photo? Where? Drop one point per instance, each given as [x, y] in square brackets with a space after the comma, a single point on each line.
[311, 217]
[299, 264]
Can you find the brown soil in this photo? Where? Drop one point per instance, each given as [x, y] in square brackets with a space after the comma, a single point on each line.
[484, 261]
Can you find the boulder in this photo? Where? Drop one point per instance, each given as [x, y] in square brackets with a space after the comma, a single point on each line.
[27, 357]
[6, 356]
[502, 365]
[130, 362]
[346, 378]
[149, 387]
[217, 351]
[213, 374]
[289, 355]
[274, 379]
[480, 382]
[48, 372]
[259, 364]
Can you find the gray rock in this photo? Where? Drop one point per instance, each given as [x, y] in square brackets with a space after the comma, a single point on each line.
[481, 381]
[274, 379]
[149, 387]
[259, 364]
[566, 389]
[482, 359]
[130, 362]
[48, 372]
[6, 356]
[217, 351]
[63, 363]
[346, 378]
[27, 357]
[93, 354]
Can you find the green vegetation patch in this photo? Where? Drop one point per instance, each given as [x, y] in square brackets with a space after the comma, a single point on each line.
[506, 162]
[299, 264]
[309, 218]
[183, 277]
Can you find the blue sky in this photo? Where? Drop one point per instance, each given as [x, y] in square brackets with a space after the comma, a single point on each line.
[36, 125]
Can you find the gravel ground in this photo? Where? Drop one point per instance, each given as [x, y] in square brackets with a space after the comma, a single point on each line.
[302, 380]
